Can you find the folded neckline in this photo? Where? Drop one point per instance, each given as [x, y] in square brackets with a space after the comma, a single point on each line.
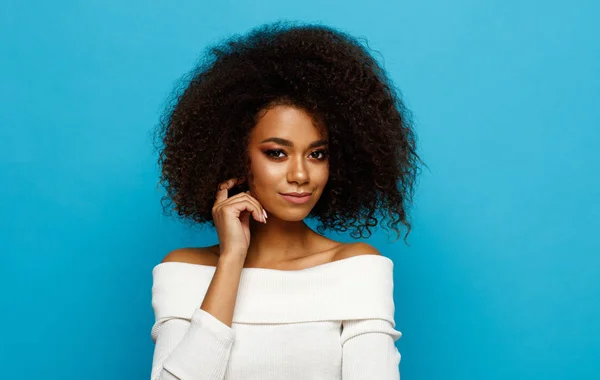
[357, 287]
[271, 270]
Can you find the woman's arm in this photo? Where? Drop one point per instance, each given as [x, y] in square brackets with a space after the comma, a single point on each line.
[200, 348]
[196, 349]
[222, 292]
[368, 350]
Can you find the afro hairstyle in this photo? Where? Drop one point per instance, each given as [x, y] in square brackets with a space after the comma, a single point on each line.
[204, 129]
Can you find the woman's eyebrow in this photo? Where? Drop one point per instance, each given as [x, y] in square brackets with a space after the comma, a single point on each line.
[285, 142]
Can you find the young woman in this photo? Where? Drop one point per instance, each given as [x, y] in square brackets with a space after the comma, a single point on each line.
[282, 124]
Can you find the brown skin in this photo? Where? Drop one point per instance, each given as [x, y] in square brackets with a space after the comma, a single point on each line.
[278, 168]
[300, 164]
[296, 161]
[284, 242]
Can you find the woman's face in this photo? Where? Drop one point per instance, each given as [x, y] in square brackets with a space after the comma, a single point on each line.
[288, 154]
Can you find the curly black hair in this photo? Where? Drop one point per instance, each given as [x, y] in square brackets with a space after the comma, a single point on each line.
[203, 133]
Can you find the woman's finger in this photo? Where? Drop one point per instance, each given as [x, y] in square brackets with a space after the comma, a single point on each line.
[222, 192]
[250, 206]
[244, 197]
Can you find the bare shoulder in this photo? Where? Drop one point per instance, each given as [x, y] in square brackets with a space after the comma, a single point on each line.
[355, 249]
[201, 256]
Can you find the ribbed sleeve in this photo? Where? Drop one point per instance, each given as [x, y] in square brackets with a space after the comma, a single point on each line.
[368, 350]
[198, 349]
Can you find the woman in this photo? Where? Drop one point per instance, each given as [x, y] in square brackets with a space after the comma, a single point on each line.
[284, 123]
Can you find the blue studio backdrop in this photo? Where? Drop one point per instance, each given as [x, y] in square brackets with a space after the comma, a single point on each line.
[502, 278]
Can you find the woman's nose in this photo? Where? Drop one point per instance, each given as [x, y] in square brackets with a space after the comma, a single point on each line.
[298, 171]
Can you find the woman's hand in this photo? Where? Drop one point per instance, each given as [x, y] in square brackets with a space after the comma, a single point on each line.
[232, 219]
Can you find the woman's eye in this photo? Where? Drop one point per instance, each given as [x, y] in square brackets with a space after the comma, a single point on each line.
[273, 153]
[323, 154]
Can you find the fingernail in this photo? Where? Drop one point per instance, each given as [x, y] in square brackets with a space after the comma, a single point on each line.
[265, 214]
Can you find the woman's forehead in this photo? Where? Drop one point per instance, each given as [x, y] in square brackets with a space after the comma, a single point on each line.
[286, 122]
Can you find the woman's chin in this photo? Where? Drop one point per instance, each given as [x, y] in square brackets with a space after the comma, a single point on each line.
[289, 215]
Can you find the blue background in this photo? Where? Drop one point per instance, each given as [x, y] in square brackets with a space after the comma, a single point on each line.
[502, 277]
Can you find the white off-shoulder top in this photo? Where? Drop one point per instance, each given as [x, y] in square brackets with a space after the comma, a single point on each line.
[331, 321]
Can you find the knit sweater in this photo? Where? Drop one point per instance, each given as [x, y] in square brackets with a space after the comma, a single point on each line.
[331, 321]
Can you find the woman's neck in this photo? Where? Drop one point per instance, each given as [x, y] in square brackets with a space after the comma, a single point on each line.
[278, 242]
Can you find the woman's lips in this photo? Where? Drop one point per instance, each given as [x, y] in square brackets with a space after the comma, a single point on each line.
[296, 200]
